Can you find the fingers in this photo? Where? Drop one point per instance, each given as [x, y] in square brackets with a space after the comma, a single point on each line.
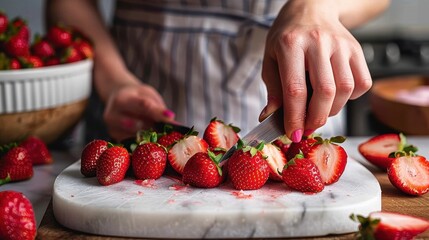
[270, 75]
[361, 74]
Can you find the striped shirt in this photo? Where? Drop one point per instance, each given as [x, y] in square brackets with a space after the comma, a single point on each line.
[203, 56]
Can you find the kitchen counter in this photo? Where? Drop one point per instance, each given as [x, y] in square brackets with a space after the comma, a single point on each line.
[39, 189]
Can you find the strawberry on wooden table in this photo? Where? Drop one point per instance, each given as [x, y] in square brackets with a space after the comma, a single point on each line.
[17, 220]
[302, 174]
[149, 159]
[112, 165]
[329, 157]
[15, 164]
[247, 167]
[389, 226]
[409, 173]
[220, 135]
[184, 149]
[37, 149]
[90, 155]
[276, 160]
[202, 170]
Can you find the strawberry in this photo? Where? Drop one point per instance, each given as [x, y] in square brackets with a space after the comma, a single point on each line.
[70, 54]
[329, 157]
[202, 170]
[302, 146]
[3, 22]
[302, 175]
[90, 155]
[219, 135]
[283, 142]
[37, 149]
[112, 165]
[389, 226]
[15, 165]
[23, 31]
[52, 61]
[169, 137]
[409, 173]
[184, 149]
[276, 160]
[42, 48]
[17, 219]
[14, 64]
[149, 159]
[84, 48]
[7, 63]
[247, 168]
[60, 36]
[16, 46]
[31, 62]
[377, 149]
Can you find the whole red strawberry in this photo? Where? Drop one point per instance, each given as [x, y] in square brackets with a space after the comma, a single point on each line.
[59, 36]
[3, 22]
[15, 165]
[16, 46]
[302, 146]
[389, 226]
[90, 155]
[22, 29]
[220, 135]
[329, 157]
[247, 168]
[167, 139]
[17, 220]
[202, 170]
[42, 48]
[84, 48]
[52, 61]
[14, 64]
[70, 54]
[31, 62]
[37, 149]
[409, 173]
[112, 165]
[149, 159]
[184, 149]
[302, 175]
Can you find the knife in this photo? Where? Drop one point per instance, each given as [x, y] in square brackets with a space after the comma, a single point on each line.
[267, 131]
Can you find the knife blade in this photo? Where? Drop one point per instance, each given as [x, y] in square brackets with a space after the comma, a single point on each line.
[267, 131]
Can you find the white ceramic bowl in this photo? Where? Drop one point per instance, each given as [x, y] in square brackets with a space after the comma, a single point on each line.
[43, 101]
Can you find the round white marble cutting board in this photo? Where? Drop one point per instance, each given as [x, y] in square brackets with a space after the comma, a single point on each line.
[165, 208]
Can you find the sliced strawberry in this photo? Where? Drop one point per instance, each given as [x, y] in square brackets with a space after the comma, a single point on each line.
[220, 135]
[276, 160]
[184, 149]
[302, 175]
[389, 225]
[283, 142]
[410, 174]
[302, 146]
[247, 168]
[330, 158]
[202, 170]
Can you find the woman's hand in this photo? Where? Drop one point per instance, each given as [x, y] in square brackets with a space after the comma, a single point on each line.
[308, 36]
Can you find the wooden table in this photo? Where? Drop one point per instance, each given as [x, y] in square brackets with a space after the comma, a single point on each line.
[392, 200]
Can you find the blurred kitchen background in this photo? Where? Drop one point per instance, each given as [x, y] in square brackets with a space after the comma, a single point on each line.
[396, 43]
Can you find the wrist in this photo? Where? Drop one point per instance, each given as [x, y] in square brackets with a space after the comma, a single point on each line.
[315, 10]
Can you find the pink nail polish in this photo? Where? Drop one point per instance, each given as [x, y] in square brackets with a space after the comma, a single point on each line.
[168, 113]
[296, 135]
[308, 132]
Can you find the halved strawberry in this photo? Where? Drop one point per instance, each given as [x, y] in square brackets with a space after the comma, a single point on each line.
[247, 168]
[220, 135]
[184, 149]
[276, 160]
[329, 157]
[300, 147]
[389, 225]
[409, 173]
[377, 149]
[283, 142]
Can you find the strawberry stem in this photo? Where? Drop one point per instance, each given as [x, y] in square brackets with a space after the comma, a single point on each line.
[5, 180]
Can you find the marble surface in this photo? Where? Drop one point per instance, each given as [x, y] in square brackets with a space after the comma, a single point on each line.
[166, 208]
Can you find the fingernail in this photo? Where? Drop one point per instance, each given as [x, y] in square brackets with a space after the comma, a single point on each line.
[262, 114]
[308, 132]
[296, 135]
[168, 113]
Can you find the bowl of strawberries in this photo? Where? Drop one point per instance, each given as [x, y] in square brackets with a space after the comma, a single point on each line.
[45, 82]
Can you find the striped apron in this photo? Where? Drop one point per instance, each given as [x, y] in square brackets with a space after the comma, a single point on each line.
[203, 56]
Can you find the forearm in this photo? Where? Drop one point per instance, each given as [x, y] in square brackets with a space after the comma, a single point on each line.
[109, 70]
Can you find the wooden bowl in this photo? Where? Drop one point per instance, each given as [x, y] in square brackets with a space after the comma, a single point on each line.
[407, 118]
